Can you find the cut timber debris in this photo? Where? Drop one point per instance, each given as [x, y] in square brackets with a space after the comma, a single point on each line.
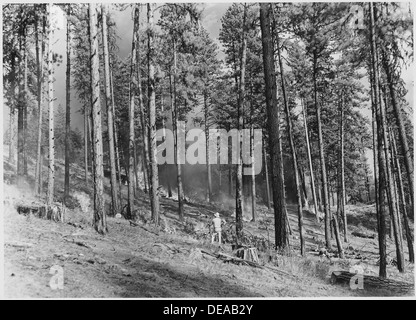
[249, 254]
[54, 212]
[235, 260]
[364, 235]
[374, 283]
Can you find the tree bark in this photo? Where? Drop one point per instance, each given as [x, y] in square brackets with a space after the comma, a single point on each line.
[308, 149]
[175, 118]
[132, 90]
[68, 103]
[266, 169]
[21, 105]
[292, 149]
[240, 107]
[390, 187]
[51, 158]
[273, 118]
[86, 133]
[115, 139]
[143, 120]
[110, 114]
[100, 221]
[382, 215]
[408, 162]
[341, 187]
[154, 185]
[206, 127]
[39, 72]
[322, 158]
[409, 236]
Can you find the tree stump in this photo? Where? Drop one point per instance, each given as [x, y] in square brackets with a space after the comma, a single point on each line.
[374, 283]
[54, 212]
[249, 254]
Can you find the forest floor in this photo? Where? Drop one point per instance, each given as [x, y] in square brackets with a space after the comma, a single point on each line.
[149, 262]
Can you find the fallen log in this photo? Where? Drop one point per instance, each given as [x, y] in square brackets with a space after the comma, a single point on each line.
[374, 283]
[235, 260]
[364, 235]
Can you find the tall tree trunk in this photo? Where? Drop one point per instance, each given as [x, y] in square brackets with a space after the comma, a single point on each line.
[12, 124]
[409, 236]
[379, 200]
[240, 107]
[303, 184]
[110, 115]
[25, 109]
[322, 157]
[132, 90]
[115, 139]
[273, 118]
[266, 173]
[382, 214]
[341, 187]
[86, 133]
[39, 75]
[21, 105]
[51, 159]
[390, 187]
[100, 221]
[154, 185]
[143, 120]
[292, 149]
[206, 127]
[408, 162]
[68, 103]
[253, 158]
[177, 148]
[308, 149]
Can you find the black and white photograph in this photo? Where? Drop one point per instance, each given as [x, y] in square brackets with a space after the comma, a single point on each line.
[207, 151]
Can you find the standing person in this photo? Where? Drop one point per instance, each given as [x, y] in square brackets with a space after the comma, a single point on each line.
[217, 222]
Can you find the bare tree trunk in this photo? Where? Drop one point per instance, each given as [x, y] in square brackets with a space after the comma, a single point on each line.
[21, 106]
[51, 159]
[273, 116]
[206, 127]
[132, 90]
[382, 215]
[400, 124]
[303, 184]
[266, 169]
[26, 100]
[154, 185]
[175, 134]
[390, 188]
[240, 107]
[292, 149]
[379, 197]
[253, 171]
[409, 236]
[86, 133]
[39, 71]
[143, 121]
[110, 115]
[322, 158]
[115, 139]
[341, 193]
[68, 103]
[308, 149]
[100, 221]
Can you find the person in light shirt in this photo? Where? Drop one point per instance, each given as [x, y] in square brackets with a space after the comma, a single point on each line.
[217, 222]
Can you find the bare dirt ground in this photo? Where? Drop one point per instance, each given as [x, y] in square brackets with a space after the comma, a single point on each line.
[145, 261]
